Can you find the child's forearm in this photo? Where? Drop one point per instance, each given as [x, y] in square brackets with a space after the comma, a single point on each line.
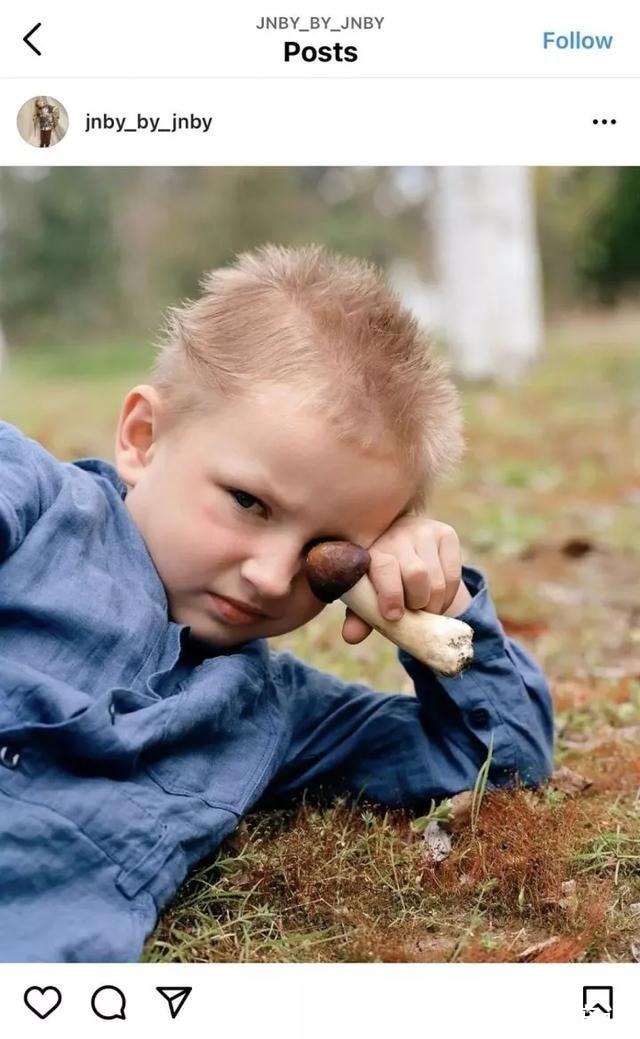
[460, 603]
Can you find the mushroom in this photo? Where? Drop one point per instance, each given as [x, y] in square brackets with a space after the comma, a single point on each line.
[338, 569]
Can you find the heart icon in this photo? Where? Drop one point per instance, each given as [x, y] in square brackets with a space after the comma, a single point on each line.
[43, 1001]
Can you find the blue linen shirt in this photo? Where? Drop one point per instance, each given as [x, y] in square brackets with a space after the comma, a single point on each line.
[127, 754]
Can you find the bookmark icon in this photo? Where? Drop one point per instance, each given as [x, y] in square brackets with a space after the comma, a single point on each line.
[175, 997]
[597, 997]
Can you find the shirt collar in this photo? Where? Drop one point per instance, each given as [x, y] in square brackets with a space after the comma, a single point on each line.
[106, 469]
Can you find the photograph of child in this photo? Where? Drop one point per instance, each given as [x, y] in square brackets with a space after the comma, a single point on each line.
[148, 704]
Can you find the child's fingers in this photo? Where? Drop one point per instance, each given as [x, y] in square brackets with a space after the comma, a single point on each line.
[386, 578]
[425, 583]
[432, 582]
[354, 629]
[417, 576]
[450, 555]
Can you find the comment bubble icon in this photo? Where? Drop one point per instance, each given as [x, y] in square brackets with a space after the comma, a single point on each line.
[108, 1002]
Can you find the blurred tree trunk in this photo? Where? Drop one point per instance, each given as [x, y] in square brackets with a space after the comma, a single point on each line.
[142, 208]
[486, 256]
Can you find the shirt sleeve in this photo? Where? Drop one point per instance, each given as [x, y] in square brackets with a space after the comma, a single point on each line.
[400, 749]
[30, 479]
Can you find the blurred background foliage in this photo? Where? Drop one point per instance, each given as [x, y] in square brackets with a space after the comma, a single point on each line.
[95, 253]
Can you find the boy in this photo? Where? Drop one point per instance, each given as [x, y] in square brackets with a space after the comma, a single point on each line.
[141, 711]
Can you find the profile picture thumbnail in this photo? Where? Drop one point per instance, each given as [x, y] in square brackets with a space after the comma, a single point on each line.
[42, 121]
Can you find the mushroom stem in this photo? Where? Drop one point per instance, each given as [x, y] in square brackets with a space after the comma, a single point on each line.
[442, 643]
[339, 569]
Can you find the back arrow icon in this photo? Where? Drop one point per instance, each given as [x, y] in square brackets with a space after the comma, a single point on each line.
[26, 39]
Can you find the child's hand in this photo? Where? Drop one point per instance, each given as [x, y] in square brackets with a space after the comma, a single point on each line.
[415, 564]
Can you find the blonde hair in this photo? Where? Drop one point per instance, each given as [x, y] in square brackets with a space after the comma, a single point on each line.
[329, 326]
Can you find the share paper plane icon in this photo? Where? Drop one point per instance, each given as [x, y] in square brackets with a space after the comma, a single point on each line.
[175, 997]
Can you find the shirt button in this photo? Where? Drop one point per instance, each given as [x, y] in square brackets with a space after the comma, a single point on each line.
[9, 758]
[479, 717]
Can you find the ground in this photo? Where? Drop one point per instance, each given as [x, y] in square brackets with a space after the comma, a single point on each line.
[546, 503]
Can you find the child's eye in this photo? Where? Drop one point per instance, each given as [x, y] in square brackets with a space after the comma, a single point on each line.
[246, 501]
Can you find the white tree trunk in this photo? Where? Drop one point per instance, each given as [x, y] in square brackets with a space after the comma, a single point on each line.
[486, 255]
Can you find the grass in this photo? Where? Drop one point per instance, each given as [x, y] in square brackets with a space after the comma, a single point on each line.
[480, 788]
[546, 503]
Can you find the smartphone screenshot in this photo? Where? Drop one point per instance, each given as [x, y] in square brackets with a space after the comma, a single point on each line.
[319, 539]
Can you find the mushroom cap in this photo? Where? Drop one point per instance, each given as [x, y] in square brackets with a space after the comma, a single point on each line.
[333, 567]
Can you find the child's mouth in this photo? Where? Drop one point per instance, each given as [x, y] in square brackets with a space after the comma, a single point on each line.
[231, 613]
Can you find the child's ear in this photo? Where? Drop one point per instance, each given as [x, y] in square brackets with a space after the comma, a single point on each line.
[137, 432]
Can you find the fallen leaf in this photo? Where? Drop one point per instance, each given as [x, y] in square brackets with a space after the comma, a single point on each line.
[568, 781]
[437, 843]
[561, 594]
[569, 901]
[623, 673]
[533, 950]
[608, 734]
[586, 745]
[577, 547]
[627, 732]
[564, 950]
[460, 811]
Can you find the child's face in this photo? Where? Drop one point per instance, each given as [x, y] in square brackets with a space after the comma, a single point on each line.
[227, 503]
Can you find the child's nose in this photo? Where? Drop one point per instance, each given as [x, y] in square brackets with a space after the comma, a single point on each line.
[272, 574]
